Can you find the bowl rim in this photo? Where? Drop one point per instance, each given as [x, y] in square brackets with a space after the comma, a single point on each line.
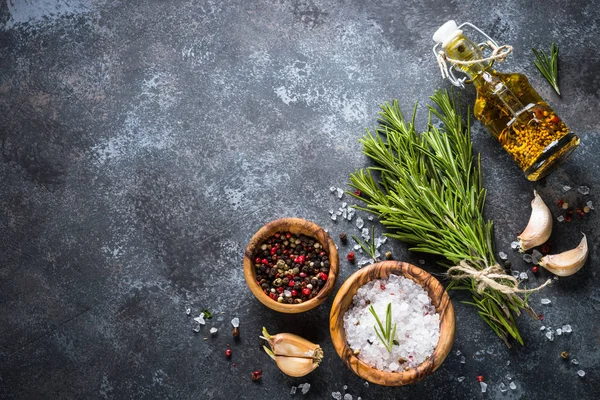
[298, 226]
[382, 270]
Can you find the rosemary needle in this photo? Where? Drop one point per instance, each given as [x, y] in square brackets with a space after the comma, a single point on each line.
[548, 66]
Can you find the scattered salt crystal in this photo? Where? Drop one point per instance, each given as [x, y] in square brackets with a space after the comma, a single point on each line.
[560, 218]
[344, 214]
[567, 329]
[338, 212]
[235, 322]
[356, 246]
[196, 328]
[508, 363]
[550, 335]
[502, 387]
[305, 388]
[293, 390]
[537, 256]
[458, 352]
[330, 212]
[345, 387]
[340, 193]
[460, 378]
[583, 190]
[509, 377]
[370, 218]
[350, 215]
[559, 331]
[364, 261]
[188, 311]
[590, 205]
[213, 330]
[359, 222]
[365, 234]
[332, 189]
[566, 188]
[394, 366]
[542, 328]
[512, 385]
[503, 255]
[546, 301]
[581, 373]
[574, 361]
[523, 276]
[344, 205]
[333, 217]
[463, 359]
[200, 319]
[336, 395]
[515, 274]
[514, 245]
[422, 262]
[527, 258]
[347, 396]
[483, 387]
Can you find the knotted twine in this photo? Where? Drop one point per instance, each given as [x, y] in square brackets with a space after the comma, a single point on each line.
[490, 277]
[499, 54]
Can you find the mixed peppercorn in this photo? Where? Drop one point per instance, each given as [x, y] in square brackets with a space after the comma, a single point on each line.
[291, 268]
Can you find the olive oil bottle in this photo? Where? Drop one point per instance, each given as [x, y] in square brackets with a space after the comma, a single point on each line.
[524, 124]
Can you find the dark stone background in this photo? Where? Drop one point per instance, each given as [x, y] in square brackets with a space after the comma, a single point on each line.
[144, 142]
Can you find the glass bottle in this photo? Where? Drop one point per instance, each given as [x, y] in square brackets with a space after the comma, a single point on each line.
[524, 124]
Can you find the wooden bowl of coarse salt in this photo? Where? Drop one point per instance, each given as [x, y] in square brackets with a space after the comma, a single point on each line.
[421, 341]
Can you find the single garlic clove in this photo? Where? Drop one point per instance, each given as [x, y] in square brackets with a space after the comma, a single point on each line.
[294, 355]
[539, 227]
[568, 262]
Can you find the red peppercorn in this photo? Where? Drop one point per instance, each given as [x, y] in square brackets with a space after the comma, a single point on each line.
[273, 296]
[541, 317]
[322, 253]
[534, 269]
[228, 353]
[323, 276]
[279, 290]
[288, 235]
[294, 293]
[256, 375]
[300, 260]
[265, 261]
[302, 274]
[306, 291]
[350, 256]
[560, 203]
[568, 218]
[257, 260]
[480, 378]
[357, 192]
[277, 235]
[382, 287]
[273, 250]
[291, 283]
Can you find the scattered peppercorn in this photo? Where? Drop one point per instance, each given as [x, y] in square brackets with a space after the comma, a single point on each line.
[560, 202]
[388, 255]
[564, 355]
[568, 218]
[256, 375]
[541, 317]
[545, 248]
[357, 192]
[565, 205]
[228, 353]
[534, 269]
[236, 332]
[350, 257]
[480, 378]
[344, 237]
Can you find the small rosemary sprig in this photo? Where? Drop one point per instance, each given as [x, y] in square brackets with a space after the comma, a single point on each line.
[548, 66]
[368, 246]
[385, 335]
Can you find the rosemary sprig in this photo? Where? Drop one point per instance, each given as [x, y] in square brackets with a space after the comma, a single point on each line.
[548, 66]
[386, 335]
[429, 193]
[368, 246]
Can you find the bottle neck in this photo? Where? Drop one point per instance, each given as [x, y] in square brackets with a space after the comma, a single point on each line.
[461, 48]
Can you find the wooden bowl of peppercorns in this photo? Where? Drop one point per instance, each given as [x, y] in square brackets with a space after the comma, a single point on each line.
[291, 265]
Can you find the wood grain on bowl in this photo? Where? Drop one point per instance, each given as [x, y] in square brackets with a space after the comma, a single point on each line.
[295, 226]
[439, 298]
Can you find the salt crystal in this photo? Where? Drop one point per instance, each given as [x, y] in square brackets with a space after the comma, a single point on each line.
[359, 223]
[512, 385]
[394, 366]
[508, 363]
[515, 274]
[235, 322]
[330, 212]
[460, 378]
[567, 329]
[583, 190]
[502, 387]
[356, 246]
[340, 193]
[370, 218]
[332, 189]
[560, 218]
[213, 330]
[542, 328]
[537, 256]
[344, 205]
[350, 215]
[590, 205]
[581, 373]
[293, 390]
[365, 234]
[338, 212]
[523, 276]
[345, 387]
[364, 261]
[347, 396]
[336, 395]
[366, 384]
[483, 387]
[305, 388]
[574, 361]
[463, 359]
[550, 335]
[333, 217]
[527, 258]
[188, 311]
[559, 331]
[509, 377]
[546, 301]
[344, 214]
[200, 319]
[458, 352]
[502, 255]
[566, 188]
[514, 245]
[380, 241]
[196, 328]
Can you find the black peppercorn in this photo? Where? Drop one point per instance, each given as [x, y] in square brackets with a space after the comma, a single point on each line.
[344, 237]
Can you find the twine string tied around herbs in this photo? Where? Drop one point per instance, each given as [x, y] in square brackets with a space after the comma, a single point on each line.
[499, 53]
[492, 276]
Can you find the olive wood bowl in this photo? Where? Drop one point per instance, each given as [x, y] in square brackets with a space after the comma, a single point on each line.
[295, 226]
[439, 298]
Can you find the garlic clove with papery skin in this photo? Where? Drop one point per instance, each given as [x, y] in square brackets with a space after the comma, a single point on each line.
[294, 355]
[539, 227]
[568, 262]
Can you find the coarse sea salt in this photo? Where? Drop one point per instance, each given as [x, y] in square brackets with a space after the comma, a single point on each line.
[417, 323]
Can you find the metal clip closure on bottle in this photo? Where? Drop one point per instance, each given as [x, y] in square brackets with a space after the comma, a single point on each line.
[448, 31]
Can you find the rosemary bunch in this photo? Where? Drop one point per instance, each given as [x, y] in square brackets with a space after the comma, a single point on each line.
[548, 66]
[429, 193]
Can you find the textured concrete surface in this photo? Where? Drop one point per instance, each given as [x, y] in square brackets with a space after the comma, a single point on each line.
[144, 142]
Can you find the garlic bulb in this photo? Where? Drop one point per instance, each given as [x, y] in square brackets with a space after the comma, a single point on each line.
[294, 355]
[539, 227]
[568, 262]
